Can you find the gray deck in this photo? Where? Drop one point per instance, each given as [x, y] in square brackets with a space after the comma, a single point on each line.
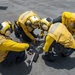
[11, 9]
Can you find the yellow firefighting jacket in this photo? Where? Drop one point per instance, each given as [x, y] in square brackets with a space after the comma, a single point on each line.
[68, 19]
[21, 22]
[7, 45]
[60, 34]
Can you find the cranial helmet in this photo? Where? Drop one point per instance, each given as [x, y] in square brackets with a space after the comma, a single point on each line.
[34, 21]
[6, 26]
[45, 23]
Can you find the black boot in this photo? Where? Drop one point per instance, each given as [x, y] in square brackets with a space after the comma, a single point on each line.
[67, 52]
[49, 57]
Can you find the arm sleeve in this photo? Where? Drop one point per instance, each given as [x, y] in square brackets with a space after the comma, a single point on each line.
[48, 42]
[28, 33]
[13, 46]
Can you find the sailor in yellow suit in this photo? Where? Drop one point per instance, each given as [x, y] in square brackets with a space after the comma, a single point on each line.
[10, 51]
[59, 38]
[68, 19]
[26, 24]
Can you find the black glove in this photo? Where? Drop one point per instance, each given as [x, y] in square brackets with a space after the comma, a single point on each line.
[30, 51]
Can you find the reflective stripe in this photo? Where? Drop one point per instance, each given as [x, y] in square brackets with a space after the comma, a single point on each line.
[3, 26]
[54, 27]
[25, 15]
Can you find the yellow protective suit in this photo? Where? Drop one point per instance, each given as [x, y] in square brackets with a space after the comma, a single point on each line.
[60, 34]
[7, 45]
[68, 19]
[21, 22]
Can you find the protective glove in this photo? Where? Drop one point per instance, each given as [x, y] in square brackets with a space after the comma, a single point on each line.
[35, 41]
[42, 34]
[30, 51]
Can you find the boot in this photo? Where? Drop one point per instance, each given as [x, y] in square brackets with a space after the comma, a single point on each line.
[49, 57]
